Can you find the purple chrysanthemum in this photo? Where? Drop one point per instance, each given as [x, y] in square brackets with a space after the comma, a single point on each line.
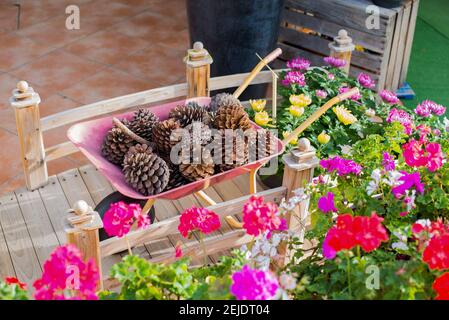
[366, 81]
[321, 94]
[402, 117]
[335, 62]
[298, 64]
[354, 97]
[389, 97]
[294, 77]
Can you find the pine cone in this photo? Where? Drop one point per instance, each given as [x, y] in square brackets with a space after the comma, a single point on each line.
[143, 122]
[176, 178]
[222, 100]
[198, 168]
[190, 113]
[261, 144]
[116, 144]
[232, 117]
[161, 135]
[196, 133]
[144, 171]
[234, 150]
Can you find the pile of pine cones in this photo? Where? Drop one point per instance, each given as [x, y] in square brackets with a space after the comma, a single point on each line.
[145, 146]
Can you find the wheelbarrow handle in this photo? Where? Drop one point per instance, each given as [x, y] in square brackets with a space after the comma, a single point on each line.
[303, 126]
[269, 58]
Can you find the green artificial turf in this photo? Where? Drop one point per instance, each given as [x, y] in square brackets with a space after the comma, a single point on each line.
[428, 72]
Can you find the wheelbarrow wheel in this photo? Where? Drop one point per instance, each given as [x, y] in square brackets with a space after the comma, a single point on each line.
[116, 196]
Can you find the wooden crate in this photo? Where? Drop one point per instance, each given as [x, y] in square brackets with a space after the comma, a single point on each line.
[308, 26]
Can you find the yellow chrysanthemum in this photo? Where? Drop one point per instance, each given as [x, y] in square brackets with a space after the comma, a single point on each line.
[262, 118]
[344, 115]
[300, 100]
[294, 141]
[258, 105]
[323, 138]
[296, 111]
[359, 48]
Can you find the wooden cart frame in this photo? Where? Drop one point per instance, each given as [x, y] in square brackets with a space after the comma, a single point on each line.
[298, 171]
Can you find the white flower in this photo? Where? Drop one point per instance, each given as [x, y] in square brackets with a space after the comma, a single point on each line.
[287, 281]
[392, 179]
[446, 124]
[399, 245]
[346, 149]
[373, 185]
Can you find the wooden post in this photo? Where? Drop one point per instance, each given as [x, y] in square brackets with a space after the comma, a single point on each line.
[342, 48]
[198, 63]
[26, 106]
[81, 228]
[298, 171]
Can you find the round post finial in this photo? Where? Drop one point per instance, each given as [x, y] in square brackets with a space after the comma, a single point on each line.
[24, 96]
[198, 56]
[342, 42]
[303, 144]
[22, 86]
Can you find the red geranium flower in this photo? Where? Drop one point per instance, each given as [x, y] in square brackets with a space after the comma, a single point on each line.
[441, 286]
[14, 280]
[436, 254]
[349, 231]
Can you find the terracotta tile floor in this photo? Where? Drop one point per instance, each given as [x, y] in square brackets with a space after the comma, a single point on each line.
[123, 46]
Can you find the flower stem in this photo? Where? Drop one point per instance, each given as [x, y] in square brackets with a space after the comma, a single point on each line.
[348, 272]
[203, 246]
[129, 246]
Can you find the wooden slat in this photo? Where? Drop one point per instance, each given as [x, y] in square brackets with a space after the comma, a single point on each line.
[407, 10]
[38, 223]
[6, 265]
[409, 41]
[56, 205]
[169, 226]
[330, 29]
[96, 183]
[60, 150]
[141, 98]
[394, 50]
[351, 13]
[23, 256]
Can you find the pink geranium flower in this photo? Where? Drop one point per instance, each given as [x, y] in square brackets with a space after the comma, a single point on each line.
[419, 154]
[389, 97]
[335, 62]
[409, 180]
[366, 81]
[66, 276]
[294, 77]
[259, 217]
[201, 219]
[253, 284]
[326, 203]
[298, 64]
[120, 217]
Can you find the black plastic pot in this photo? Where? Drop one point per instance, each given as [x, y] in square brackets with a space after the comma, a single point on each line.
[233, 31]
[388, 3]
[104, 205]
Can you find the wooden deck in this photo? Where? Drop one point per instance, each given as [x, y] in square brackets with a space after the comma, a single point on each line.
[31, 222]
